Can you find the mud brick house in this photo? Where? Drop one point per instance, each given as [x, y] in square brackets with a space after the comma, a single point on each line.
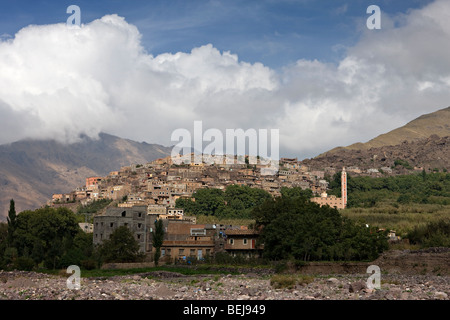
[92, 182]
[243, 242]
[183, 239]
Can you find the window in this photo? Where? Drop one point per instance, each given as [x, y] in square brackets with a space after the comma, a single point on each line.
[192, 252]
[198, 232]
[245, 241]
[180, 251]
[111, 224]
[124, 213]
[231, 241]
[139, 225]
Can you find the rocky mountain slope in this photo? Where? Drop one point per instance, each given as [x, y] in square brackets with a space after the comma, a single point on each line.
[31, 171]
[423, 142]
[436, 123]
[428, 153]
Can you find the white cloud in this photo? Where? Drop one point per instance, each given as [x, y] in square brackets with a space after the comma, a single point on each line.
[58, 82]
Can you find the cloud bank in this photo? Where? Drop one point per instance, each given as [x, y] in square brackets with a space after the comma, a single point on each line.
[59, 82]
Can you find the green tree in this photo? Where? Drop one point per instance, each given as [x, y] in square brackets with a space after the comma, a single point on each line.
[54, 254]
[236, 201]
[296, 192]
[11, 220]
[157, 239]
[94, 206]
[38, 251]
[209, 201]
[47, 237]
[240, 200]
[433, 234]
[10, 256]
[187, 204]
[295, 228]
[120, 247]
[3, 236]
[46, 225]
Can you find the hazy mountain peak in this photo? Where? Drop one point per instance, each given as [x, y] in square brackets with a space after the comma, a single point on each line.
[32, 170]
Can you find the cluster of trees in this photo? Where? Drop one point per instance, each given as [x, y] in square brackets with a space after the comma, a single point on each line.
[404, 189]
[433, 234]
[405, 164]
[47, 237]
[293, 227]
[94, 206]
[50, 238]
[234, 202]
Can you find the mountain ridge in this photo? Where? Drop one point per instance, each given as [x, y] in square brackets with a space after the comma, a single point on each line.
[32, 170]
[424, 126]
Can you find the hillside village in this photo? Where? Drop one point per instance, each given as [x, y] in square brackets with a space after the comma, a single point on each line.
[161, 182]
[145, 193]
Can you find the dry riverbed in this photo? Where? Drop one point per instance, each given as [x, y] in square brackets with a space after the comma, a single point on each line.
[163, 285]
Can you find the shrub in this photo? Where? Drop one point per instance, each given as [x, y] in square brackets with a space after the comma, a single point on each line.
[24, 263]
[281, 281]
[433, 234]
[284, 281]
[89, 264]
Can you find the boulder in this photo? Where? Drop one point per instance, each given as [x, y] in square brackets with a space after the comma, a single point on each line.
[440, 295]
[357, 286]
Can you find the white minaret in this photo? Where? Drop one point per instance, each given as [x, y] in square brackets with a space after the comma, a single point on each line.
[344, 187]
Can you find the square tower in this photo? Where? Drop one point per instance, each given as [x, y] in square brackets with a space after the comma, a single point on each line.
[344, 187]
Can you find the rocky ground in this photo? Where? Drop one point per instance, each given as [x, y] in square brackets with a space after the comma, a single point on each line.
[163, 285]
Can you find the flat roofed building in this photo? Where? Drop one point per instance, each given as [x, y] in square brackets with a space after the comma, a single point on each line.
[243, 242]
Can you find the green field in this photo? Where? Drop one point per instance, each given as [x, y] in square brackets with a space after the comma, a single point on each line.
[402, 219]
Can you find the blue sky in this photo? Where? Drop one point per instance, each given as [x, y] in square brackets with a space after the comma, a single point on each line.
[273, 32]
[309, 68]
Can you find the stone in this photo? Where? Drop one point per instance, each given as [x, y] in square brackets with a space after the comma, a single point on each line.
[404, 296]
[368, 290]
[357, 286]
[333, 281]
[440, 295]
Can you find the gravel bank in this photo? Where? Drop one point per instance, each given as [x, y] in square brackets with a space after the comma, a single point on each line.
[22, 285]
